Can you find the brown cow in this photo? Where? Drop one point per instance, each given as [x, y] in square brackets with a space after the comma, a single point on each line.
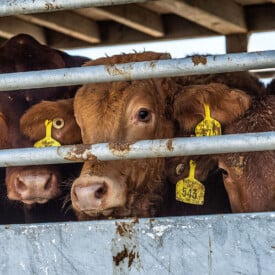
[31, 184]
[249, 177]
[250, 189]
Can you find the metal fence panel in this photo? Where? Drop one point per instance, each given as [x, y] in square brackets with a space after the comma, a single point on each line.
[217, 244]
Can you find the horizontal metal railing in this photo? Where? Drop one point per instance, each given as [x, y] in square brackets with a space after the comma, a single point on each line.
[140, 149]
[138, 70]
[12, 7]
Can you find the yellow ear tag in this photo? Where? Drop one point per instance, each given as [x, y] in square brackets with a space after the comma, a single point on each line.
[47, 140]
[190, 190]
[209, 126]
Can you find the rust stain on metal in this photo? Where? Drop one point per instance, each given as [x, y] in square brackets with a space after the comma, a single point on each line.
[124, 228]
[51, 7]
[197, 59]
[169, 145]
[125, 253]
[81, 148]
[119, 146]
[119, 149]
[151, 222]
[153, 64]
[79, 152]
[129, 243]
[120, 256]
[113, 70]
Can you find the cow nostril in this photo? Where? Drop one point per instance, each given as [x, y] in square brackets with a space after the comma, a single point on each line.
[100, 192]
[20, 185]
[48, 183]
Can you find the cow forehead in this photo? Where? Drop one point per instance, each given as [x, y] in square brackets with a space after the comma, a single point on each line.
[98, 98]
[102, 109]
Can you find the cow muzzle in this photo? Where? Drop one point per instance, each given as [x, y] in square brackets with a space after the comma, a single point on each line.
[33, 185]
[96, 196]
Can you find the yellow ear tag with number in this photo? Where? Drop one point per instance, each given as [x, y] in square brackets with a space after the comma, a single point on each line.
[190, 190]
[47, 140]
[209, 126]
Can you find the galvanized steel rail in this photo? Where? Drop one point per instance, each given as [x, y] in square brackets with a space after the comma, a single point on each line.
[138, 70]
[141, 149]
[13, 7]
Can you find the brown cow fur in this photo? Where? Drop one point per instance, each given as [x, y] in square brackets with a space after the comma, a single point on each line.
[126, 58]
[226, 105]
[32, 123]
[249, 177]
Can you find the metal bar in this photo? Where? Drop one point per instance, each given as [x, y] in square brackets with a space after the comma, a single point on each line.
[12, 7]
[140, 149]
[214, 244]
[138, 70]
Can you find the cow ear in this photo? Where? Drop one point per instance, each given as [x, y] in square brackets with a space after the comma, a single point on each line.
[226, 105]
[65, 130]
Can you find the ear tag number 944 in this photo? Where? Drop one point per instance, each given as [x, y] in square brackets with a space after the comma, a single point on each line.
[47, 140]
[209, 126]
[190, 190]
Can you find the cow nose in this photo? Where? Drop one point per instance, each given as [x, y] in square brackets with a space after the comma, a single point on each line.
[95, 195]
[35, 188]
[91, 196]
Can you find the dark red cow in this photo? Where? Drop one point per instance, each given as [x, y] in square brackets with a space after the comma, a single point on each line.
[216, 199]
[31, 184]
[248, 177]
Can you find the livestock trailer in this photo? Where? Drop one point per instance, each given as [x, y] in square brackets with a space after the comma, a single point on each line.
[212, 244]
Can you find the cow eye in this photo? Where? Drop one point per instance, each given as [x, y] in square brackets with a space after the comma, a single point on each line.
[144, 115]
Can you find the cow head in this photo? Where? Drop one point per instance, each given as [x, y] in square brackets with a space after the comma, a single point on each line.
[248, 176]
[122, 112]
[38, 184]
[24, 53]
